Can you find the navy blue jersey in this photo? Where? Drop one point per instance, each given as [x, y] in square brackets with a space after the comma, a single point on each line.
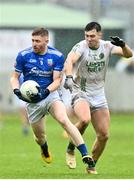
[39, 67]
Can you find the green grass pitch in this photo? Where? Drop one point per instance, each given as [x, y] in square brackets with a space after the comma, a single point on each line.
[20, 155]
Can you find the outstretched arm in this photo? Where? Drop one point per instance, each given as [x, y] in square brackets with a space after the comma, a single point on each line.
[121, 48]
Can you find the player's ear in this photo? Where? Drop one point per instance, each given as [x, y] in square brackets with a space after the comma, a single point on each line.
[100, 34]
[47, 39]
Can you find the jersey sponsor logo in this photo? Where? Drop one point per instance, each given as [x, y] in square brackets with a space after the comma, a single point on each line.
[32, 60]
[38, 72]
[95, 66]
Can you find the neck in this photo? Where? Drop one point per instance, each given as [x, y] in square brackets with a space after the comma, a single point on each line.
[95, 47]
[43, 52]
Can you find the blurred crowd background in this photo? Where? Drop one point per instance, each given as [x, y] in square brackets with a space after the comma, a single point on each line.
[65, 20]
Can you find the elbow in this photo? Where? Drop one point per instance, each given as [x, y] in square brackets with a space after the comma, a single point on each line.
[129, 55]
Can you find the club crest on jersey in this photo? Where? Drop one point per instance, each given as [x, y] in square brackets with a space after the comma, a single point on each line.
[101, 55]
[50, 62]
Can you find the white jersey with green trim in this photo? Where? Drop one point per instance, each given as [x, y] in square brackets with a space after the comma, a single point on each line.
[92, 66]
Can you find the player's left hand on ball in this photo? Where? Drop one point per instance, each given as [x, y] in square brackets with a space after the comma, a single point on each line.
[19, 95]
[117, 41]
[43, 93]
[36, 98]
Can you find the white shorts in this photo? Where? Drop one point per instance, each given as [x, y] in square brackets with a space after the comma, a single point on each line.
[65, 96]
[37, 111]
[19, 103]
[96, 102]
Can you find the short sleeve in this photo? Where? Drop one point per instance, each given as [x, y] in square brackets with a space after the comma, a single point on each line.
[19, 63]
[59, 63]
[78, 48]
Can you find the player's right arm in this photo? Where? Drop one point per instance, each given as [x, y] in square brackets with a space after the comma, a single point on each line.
[14, 80]
[18, 67]
[72, 58]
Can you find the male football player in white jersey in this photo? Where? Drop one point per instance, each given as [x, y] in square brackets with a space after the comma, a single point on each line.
[90, 57]
[44, 65]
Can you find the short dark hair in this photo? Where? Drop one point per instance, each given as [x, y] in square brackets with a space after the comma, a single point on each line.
[40, 31]
[93, 25]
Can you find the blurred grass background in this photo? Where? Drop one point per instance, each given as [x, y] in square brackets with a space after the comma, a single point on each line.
[20, 156]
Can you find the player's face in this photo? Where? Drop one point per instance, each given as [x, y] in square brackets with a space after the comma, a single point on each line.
[92, 38]
[39, 44]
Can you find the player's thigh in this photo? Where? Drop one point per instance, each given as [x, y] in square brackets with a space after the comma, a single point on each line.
[38, 127]
[101, 121]
[58, 111]
[71, 115]
[82, 110]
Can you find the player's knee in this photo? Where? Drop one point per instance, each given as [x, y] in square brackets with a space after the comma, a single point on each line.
[103, 137]
[64, 123]
[62, 118]
[85, 120]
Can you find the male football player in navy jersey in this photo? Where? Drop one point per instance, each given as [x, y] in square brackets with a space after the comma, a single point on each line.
[44, 65]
